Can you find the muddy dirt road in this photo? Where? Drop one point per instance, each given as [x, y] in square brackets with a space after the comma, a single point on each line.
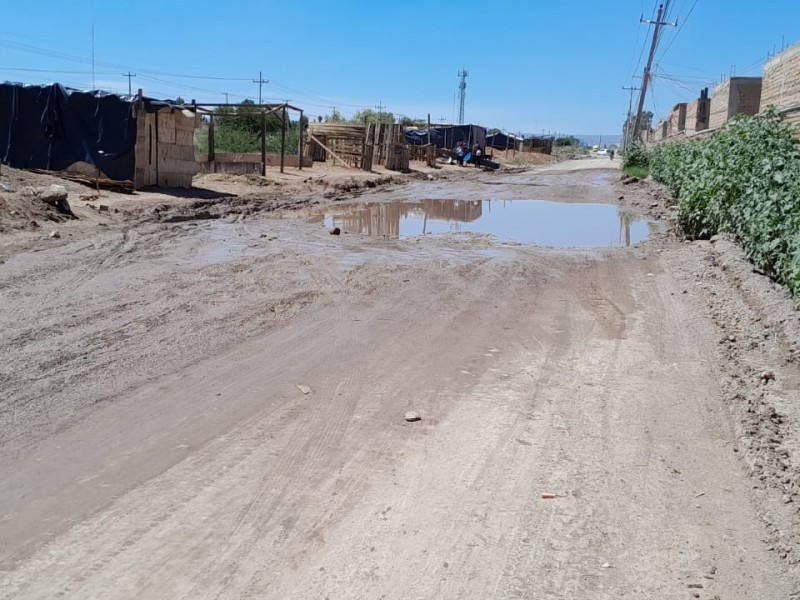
[215, 409]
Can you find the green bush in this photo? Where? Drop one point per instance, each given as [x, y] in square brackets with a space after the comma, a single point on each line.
[745, 181]
[635, 156]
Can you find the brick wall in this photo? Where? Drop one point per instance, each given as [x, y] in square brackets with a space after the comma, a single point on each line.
[736, 96]
[677, 119]
[697, 114]
[782, 80]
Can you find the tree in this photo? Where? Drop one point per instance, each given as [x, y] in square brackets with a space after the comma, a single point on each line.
[335, 117]
[644, 126]
[567, 141]
[370, 116]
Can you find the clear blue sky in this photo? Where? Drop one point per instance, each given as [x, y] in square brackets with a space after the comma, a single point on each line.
[533, 65]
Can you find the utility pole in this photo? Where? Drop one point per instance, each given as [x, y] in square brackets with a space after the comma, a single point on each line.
[646, 79]
[260, 81]
[380, 108]
[129, 75]
[626, 138]
[226, 97]
[462, 94]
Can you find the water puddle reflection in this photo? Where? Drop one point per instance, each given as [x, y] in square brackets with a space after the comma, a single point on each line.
[540, 222]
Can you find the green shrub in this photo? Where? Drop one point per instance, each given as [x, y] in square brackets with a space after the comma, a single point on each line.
[745, 181]
[635, 156]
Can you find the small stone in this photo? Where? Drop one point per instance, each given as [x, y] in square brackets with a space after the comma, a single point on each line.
[650, 275]
[654, 205]
[54, 234]
[54, 194]
[731, 338]
[621, 198]
[787, 499]
[695, 586]
[304, 389]
[714, 239]
[695, 594]
[606, 566]
[767, 376]
[713, 570]
[4, 187]
[412, 416]
[336, 231]
[103, 208]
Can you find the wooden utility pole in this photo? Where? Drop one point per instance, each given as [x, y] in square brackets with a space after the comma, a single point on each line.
[646, 79]
[129, 75]
[627, 133]
[260, 81]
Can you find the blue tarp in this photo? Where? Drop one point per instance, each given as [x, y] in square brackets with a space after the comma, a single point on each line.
[448, 136]
[52, 127]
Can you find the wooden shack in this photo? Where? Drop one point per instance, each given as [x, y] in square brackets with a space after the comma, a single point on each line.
[359, 146]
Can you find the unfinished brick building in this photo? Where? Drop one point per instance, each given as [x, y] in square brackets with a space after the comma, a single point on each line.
[736, 96]
[697, 114]
[781, 87]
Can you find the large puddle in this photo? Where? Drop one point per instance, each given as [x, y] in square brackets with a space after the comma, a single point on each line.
[539, 222]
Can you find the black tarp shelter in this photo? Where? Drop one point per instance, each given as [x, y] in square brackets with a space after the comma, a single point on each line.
[52, 127]
[502, 141]
[448, 136]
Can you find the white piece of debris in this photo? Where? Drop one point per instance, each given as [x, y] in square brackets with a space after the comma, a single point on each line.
[303, 388]
[55, 234]
[53, 194]
[412, 416]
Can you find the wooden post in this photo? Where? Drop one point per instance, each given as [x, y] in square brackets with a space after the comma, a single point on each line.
[263, 143]
[300, 143]
[212, 155]
[429, 129]
[156, 153]
[283, 136]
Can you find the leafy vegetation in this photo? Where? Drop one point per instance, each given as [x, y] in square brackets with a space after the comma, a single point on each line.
[640, 172]
[370, 116]
[635, 156]
[238, 129]
[745, 181]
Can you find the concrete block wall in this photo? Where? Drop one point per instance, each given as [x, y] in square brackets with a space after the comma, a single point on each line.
[781, 87]
[736, 96]
[165, 148]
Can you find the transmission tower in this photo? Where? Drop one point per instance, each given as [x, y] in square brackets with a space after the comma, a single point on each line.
[462, 93]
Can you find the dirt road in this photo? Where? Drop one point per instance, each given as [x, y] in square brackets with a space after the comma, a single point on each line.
[215, 409]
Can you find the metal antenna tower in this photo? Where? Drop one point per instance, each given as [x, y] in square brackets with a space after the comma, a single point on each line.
[462, 93]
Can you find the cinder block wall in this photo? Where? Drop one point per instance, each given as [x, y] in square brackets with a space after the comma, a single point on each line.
[736, 96]
[165, 148]
[781, 86]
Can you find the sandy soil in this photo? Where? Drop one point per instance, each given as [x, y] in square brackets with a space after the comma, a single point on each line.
[207, 401]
